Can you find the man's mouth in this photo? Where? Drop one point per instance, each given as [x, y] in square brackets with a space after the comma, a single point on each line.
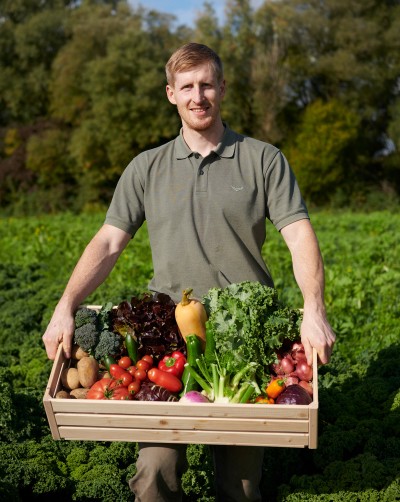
[199, 111]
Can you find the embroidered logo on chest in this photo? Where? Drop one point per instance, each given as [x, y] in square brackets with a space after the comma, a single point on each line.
[237, 189]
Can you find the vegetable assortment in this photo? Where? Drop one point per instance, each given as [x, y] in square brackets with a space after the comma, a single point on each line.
[240, 345]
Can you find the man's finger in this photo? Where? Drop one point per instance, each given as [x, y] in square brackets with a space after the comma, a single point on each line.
[67, 347]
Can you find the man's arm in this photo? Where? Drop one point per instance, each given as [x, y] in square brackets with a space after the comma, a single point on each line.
[92, 269]
[309, 274]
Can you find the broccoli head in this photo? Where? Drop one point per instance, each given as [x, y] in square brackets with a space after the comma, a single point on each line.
[109, 344]
[85, 316]
[87, 337]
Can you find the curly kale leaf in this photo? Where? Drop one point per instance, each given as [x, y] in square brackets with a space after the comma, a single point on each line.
[249, 323]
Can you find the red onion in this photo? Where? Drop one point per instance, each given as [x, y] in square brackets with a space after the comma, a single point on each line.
[298, 353]
[304, 371]
[287, 365]
[291, 380]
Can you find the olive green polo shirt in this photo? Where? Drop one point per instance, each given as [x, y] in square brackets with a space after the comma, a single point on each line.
[206, 217]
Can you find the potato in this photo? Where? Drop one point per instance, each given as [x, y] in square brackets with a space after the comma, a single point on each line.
[78, 352]
[79, 393]
[70, 378]
[62, 394]
[88, 371]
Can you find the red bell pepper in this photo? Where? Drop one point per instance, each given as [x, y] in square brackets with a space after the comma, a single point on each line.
[173, 363]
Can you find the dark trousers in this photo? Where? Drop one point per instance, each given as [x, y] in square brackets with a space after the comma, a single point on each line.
[160, 468]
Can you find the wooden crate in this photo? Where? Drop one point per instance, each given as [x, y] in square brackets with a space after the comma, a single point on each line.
[230, 424]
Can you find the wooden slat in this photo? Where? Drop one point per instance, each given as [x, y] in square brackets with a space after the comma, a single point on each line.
[187, 437]
[51, 389]
[163, 408]
[184, 423]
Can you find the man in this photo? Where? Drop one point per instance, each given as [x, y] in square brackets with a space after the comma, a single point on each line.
[205, 197]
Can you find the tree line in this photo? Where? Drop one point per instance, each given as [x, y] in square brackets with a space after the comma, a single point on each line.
[82, 91]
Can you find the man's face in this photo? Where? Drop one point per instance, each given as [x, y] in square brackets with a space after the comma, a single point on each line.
[197, 95]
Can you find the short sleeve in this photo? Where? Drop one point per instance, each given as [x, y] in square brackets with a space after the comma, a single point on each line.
[285, 203]
[126, 210]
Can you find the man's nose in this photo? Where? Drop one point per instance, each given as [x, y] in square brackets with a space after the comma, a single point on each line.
[197, 94]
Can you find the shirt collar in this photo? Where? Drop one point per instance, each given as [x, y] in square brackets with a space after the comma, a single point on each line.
[226, 148]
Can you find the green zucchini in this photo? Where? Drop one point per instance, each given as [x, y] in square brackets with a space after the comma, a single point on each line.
[131, 348]
[193, 351]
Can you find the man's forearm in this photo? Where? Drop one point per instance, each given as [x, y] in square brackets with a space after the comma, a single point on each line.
[307, 262]
[92, 269]
[308, 268]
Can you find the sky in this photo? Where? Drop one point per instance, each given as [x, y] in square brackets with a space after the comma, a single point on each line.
[185, 10]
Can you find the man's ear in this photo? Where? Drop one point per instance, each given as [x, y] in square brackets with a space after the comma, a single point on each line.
[170, 94]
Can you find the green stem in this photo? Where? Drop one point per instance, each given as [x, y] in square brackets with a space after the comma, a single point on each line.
[237, 398]
[215, 379]
[247, 395]
[203, 384]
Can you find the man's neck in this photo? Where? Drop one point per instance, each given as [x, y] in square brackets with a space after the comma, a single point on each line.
[203, 142]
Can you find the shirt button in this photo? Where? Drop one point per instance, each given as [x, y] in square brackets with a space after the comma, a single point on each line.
[197, 155]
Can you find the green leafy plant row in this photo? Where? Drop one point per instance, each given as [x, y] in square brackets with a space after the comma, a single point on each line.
[358, 456]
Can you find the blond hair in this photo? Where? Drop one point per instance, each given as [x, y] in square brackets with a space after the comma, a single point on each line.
[190, 56]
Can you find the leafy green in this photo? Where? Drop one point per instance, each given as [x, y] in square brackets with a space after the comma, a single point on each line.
[248, 324]
[359, 399]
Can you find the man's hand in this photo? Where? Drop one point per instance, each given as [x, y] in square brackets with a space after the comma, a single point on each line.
[317, 333]
[60, 329]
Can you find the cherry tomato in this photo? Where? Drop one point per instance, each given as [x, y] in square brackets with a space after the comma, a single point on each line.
[126, 379]
[131, 370]
[140, 375]
[148, 359]
[164, 379]
[125, 362]
[143, 365]
[116, 371]
[134, 386]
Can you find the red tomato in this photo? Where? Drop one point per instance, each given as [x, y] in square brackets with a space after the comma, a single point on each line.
[108, 388]
[121, 393]
[164, 379]
[126, 379]
[125, 362]
[140, 375]
[134, 387]
[148, 359]
[143, 365]
[116, 371]
[131, 370]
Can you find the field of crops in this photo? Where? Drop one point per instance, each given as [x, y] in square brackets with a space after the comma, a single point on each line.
[358, 457]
